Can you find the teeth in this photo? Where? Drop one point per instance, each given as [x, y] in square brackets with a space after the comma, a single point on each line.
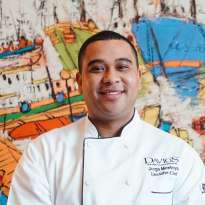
[113, 93]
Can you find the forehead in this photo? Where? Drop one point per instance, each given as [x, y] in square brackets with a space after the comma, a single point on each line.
[109, 49]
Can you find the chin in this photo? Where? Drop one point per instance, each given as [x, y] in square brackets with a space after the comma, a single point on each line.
[113, 115]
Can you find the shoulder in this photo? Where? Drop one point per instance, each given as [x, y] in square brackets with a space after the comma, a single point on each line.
[57, 140]
[67, 132]
[159, 135]
[161, 142]
[167, 143]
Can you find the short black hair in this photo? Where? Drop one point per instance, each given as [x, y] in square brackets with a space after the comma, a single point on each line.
[100, 36]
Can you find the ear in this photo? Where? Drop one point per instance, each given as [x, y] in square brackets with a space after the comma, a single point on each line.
[139, 73]
[139, 77]
[79, 81]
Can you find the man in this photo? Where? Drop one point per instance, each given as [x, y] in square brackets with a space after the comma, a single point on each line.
[110, 157]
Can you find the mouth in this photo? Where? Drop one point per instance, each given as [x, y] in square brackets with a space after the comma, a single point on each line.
[111, 94]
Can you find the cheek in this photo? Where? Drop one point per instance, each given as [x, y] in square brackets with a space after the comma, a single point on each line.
[92, 83]
[133, 82]
[89, 87]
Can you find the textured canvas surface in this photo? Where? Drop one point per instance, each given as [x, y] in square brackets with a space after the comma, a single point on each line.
[39, 43]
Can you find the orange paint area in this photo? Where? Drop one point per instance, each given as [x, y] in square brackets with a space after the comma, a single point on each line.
[177, 63]
[9, 157]
[34, 129]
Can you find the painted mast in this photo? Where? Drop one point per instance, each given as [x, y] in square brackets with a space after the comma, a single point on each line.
[156, 44]
[82, 11]
[1, 14]
[42, 9]
[193, 9]
[136, 17]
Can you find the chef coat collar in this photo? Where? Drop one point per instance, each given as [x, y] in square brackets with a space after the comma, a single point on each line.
[133, 124]
[90, 129]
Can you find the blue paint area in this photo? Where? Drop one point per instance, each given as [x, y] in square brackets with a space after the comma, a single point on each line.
[77, 117]
[165, 125]
[21, 51]
[177, 40]
[183, 80]
[3, 199]
[25, 106]
[60, 97]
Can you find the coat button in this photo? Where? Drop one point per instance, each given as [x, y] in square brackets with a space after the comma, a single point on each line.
[127, 183]
[125, 146]
[86, 183]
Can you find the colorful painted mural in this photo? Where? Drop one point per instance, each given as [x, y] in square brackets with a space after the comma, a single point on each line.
[39, 43]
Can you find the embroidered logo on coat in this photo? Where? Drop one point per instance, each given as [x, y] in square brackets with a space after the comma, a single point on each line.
[161, 161]
[203, 188]
[162, 166]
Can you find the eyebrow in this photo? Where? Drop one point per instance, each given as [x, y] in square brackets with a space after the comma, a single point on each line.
[102, 61]
[95, 61]
[124, 59]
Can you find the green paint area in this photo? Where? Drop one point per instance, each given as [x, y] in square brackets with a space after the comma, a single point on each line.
[44, 108]
[140, 58]
[68, 52]
[201, 74]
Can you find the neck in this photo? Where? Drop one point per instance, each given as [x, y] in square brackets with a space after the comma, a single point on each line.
[110, 128]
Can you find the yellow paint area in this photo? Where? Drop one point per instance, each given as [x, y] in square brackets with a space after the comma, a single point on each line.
[150, 114]
[202, 90]
[183, 134]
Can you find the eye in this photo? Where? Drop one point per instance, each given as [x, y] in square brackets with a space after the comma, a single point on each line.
[96, 69]
[123, 67]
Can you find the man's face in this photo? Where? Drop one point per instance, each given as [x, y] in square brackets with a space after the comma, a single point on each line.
[109, 80]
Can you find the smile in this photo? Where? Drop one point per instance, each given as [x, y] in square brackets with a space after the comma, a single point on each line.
[111, 92]
[111, 95]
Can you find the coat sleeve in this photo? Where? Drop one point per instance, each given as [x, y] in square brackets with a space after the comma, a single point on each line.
[190, 189]
[30, 183]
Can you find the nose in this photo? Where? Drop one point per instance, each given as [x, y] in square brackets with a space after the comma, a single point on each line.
[111, 76]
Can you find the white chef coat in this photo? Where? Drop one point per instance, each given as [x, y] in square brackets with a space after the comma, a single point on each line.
[73, 166]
